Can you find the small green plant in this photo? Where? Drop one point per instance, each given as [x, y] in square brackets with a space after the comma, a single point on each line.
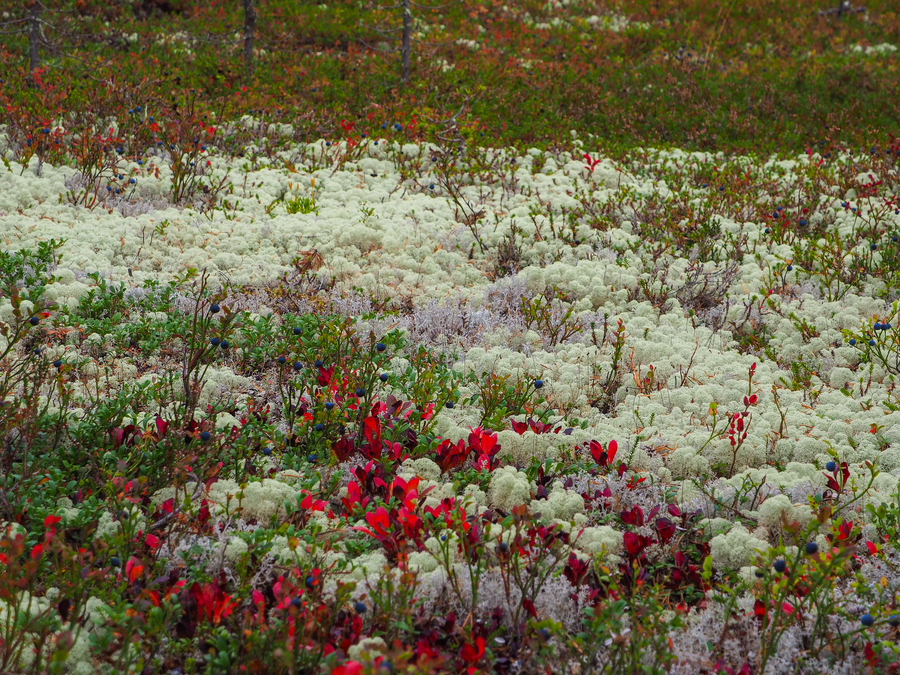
[204, 339]
[880, 343]
[501, 396]
[796, 589]
[296, 203]
[546, 315]
[605, 387]
[608, 643]
[367, 214]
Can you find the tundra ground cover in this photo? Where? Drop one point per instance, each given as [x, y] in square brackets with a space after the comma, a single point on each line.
[398, 402]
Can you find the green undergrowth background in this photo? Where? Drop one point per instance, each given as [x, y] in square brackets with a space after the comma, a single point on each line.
[752, 76]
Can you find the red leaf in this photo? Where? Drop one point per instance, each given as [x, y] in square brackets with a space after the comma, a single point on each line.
[759, 609]
[635, 544]
[349, 668]
[666, 529]
[473, 653]
[872, 658]
[372, 430]
[343, 448]
[204, 515]
[133, 569]
[212, 602]
[161, 426]
[873, 548]
[528, 606]
[575, 569]
[633, 517]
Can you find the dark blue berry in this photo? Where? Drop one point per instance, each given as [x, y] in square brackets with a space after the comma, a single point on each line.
[225, 344]
[329, 405]
[298, 330]
[759, 573]
[215, 342]
[360, 607]
[115, 562]
[538, 384]
[812, 548]
[34, 321]
[214, 309]
[360, 392]
[867, 620]
[894, 620]
[298, 365]
[312, 459]
[831, 466]
[380, 346]
[780, 566]
[790, 267]
[205, 436]
[320, 427]
[282, 360]
[383, 377]
[267, 451]
[317, 363]
[852, 341]
[450, 404]
[58, 364]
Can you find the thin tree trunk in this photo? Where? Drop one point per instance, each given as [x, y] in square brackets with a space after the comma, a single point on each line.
[249, 31]
[407, 35]
[34, 37]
